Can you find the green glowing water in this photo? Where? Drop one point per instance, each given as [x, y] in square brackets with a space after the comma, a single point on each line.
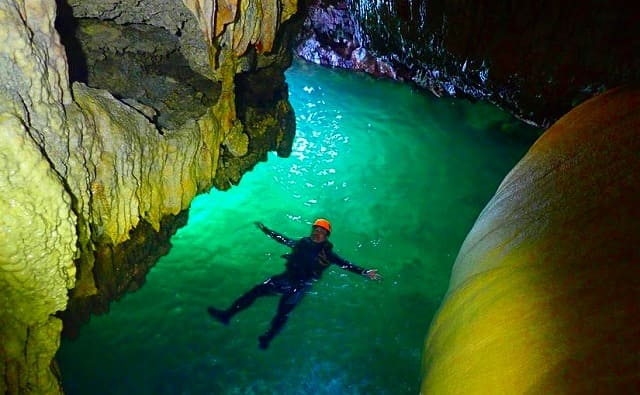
[401, 175]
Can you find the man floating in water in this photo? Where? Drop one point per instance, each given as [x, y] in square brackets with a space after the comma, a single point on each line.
[309, 257]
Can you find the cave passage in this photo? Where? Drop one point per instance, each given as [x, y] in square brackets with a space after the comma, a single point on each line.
[402, 176]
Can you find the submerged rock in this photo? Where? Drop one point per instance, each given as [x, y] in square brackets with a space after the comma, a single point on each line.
[544, 293]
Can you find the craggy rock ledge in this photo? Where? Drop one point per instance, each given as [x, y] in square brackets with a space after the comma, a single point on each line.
[97, 171]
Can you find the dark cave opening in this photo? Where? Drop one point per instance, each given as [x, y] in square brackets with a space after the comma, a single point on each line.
[66, 25]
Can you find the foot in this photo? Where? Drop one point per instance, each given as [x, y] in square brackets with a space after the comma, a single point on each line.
[263, 342]
[220, 315]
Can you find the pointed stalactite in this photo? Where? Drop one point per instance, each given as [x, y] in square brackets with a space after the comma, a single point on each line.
[239, 25]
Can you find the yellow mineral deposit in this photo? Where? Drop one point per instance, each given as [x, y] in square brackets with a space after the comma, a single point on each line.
[544, 295]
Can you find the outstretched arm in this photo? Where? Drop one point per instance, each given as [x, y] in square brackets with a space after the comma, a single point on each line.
[334, 258]
[280, 238]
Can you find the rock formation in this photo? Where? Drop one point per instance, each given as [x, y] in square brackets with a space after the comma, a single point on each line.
[115, 114]
[544, 292]
[166, 100]
[535, 59]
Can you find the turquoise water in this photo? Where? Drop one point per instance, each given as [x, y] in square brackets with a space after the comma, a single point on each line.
[401, 175]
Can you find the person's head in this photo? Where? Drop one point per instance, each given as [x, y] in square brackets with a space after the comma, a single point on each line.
[320, 230]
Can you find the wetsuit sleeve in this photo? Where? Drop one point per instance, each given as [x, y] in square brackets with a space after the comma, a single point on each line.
[280, 238]
[344, 264]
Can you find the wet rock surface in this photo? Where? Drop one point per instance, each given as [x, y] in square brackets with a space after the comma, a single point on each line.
[536, 60]
[331, 38]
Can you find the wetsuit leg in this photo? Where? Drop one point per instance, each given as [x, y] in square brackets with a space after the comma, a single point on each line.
[288, 302]
[248, 298]
[266, 288]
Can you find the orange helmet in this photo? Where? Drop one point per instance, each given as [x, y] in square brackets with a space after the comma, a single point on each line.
[323, 223]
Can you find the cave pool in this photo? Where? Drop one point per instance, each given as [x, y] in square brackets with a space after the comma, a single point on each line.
[401, 175]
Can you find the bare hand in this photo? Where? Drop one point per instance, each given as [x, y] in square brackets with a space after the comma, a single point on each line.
[373, 274]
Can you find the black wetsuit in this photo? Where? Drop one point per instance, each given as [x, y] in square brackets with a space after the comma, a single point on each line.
[305, 264]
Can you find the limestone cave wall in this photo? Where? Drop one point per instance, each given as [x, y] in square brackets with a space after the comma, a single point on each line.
[114, 115]
[543, 297]
[536, 59]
